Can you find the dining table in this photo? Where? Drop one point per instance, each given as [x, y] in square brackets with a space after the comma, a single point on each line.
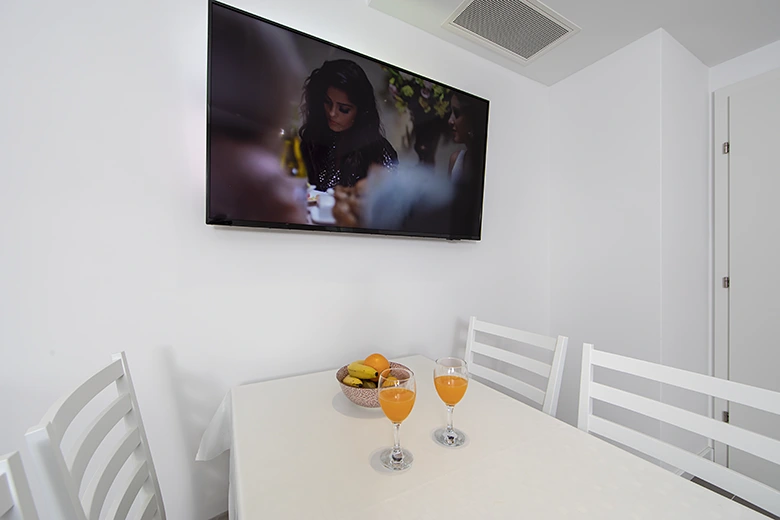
[302, 450]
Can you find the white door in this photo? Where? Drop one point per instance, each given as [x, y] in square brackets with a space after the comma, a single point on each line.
[754, 261]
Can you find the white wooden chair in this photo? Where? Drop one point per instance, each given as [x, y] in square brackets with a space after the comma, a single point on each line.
[548, 398]
[16, 502]
[62, 473]
[744, 487]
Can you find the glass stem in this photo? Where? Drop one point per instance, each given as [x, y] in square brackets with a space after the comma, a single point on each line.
[397, 455]
[449, 417]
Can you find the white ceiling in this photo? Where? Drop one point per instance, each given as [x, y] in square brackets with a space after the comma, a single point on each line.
[714, 30]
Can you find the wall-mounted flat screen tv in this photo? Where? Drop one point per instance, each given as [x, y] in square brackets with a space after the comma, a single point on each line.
[304, 134]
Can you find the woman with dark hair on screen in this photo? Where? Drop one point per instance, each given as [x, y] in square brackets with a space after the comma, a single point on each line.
[468, 123]
[341, 132]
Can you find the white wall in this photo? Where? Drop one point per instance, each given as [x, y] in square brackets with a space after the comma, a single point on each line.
[685, 225]
[629, 226]
[605, 226]
[746, 66]
[104, 246]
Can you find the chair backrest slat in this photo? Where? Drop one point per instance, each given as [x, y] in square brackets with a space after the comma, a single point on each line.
[521, 336]
[94, 435]
[6, 499]
[720, 476]
[756, 444]
[585, 408]
[97, 489]
[556, 377]
[59, 488]
[63, 474]
[520, 387]
[548, 397]
[69, 408]
[721, 388]
[149, 508]
[133, 420]
[121, 507]
[16, 502]
[532, 365]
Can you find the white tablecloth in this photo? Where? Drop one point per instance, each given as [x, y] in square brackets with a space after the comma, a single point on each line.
[216, 440]
[300, 449]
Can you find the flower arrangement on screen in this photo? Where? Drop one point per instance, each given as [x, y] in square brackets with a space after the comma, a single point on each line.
[416, 95]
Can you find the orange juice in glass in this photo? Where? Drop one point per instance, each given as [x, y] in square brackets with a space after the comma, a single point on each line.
[397, 392]
[397, 403]
[451, 379]
[451, 389]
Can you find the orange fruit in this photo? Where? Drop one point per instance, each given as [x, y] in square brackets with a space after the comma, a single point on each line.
[378, 362]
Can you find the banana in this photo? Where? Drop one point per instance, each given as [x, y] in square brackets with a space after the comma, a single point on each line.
[352, 381]
[390, 381]
[369, 384]
[362, 371]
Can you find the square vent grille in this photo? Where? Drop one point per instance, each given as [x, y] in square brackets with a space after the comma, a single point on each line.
[521, 30]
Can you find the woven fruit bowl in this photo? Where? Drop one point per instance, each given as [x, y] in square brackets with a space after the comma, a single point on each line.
[365, 397]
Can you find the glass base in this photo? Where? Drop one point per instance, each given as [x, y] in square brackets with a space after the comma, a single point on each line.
[449, 438]
[396, 463]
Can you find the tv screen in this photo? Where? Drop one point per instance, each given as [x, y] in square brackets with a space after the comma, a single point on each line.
[304, 134]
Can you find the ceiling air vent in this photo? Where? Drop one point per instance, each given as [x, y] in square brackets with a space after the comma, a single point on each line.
[521, 30]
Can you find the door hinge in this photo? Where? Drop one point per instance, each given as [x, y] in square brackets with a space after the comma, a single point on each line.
[726, 147]
[725, 417]
[726, 282]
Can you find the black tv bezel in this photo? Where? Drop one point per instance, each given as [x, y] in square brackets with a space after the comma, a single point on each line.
[318, 227]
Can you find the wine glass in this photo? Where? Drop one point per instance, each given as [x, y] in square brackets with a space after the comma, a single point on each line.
[397, 392]
[451, 379]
